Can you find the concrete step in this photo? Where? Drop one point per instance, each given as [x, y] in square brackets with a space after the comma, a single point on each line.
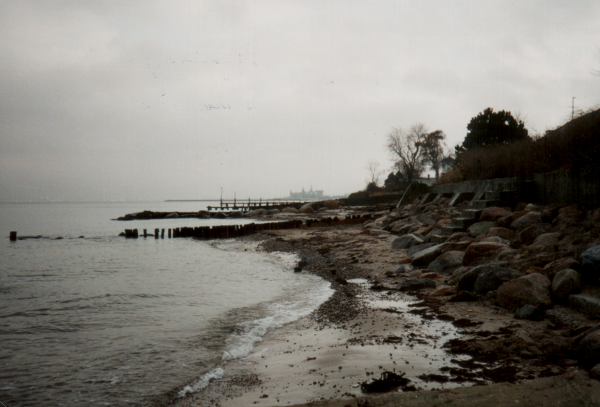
[501, 195]
[428, 198]
[459, 197]
[472, 214]
[482, 204]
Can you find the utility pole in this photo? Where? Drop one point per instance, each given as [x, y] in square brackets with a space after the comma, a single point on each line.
[573, 109]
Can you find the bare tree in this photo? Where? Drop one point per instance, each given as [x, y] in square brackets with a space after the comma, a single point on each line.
[374, 173]
[406, 148]
[435, 150]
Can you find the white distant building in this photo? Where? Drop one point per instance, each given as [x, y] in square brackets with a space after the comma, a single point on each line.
[306, 195]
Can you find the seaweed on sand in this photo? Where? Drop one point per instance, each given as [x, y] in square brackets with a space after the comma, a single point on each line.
[387, 382]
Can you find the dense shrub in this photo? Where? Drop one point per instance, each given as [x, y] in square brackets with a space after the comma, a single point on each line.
[572, 146]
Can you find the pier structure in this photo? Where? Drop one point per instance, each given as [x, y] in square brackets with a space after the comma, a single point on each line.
[252, 204]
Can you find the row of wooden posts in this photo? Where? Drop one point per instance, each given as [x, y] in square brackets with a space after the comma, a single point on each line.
[229, 231]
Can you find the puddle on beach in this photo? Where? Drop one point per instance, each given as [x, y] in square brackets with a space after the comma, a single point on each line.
[414, 338]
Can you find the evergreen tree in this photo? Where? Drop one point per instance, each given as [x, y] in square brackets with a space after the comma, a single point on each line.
[489, 128]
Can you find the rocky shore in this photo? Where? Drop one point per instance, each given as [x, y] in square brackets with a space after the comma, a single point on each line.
[510, 305]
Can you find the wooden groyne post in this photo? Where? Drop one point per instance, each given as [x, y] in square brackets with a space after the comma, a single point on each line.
[13, 236]
[230, 231]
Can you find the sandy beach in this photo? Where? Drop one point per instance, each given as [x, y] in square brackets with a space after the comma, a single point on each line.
[362, 332]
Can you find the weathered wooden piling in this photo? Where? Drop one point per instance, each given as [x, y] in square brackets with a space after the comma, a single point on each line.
[232, 231]
[145, 233]
[135, 234]
[13, 236]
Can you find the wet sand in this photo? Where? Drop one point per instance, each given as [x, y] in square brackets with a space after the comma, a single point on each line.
[360, 333]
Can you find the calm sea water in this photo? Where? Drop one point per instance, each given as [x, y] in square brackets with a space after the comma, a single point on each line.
[103, 321]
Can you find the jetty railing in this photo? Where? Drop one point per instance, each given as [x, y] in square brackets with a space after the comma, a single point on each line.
[251, 204]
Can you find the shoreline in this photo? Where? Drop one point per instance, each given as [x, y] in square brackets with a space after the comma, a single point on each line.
[359, 333]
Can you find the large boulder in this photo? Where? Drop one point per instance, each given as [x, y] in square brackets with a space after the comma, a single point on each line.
[424, 257]
[447, 262]
[590, 265]
[256, 212]
[457, 246]
[480, 228]
[531, 218]
[443, 291]
[567, 214]
[490, 277]
[424, 230]
[407, 227]
[527, 235]
[407, 241]
[402, 268]
[588, 349]
[414, 284]
[586, 304]
[530, 312]
[563, 263]
[532, 289]
[493, 213]
[507, 220]
[481, 250]
[566, 282]
[418, 248]
[495, 239]
[396, 226]
[466, 280]
[550, 212]
[545, 242]
[331, 204]
[459, 236]
[503, 233]
[467, 277]
[289, 209]
[384, 221]
[306, 209]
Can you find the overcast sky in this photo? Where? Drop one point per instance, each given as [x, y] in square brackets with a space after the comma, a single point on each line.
[154, 100]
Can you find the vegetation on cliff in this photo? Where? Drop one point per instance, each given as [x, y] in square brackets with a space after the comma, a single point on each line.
[572, 146]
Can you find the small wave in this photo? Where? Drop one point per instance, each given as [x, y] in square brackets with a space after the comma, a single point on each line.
[245, 335]
[214, 374]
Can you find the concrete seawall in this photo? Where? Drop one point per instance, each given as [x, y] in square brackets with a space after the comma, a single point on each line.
[563, 186]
